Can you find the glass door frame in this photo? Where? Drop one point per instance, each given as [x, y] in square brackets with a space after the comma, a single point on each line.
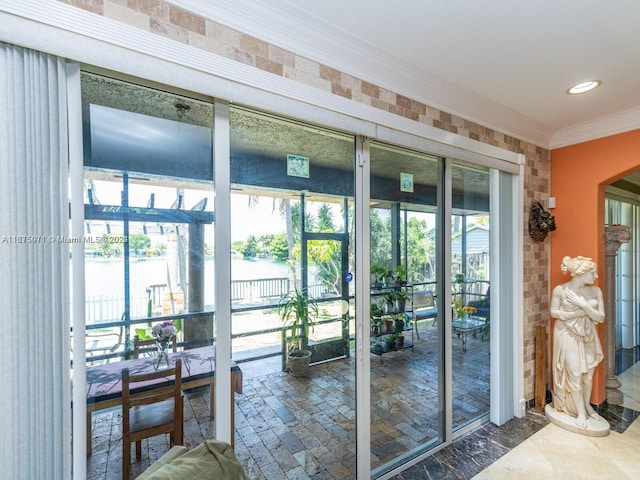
[506, 336]
[343, 239]
[510, 219]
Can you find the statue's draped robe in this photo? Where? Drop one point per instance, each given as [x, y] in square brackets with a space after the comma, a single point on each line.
[576, 349]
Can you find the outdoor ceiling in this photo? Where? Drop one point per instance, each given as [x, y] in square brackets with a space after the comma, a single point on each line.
[501, 63]
[260, 134]
[150, 133]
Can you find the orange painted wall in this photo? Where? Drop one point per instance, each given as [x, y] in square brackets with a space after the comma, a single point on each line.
[579, 176]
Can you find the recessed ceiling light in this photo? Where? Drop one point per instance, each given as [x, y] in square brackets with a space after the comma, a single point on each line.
[583, 87]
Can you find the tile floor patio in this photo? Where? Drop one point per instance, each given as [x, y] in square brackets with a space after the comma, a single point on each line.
[304, 428]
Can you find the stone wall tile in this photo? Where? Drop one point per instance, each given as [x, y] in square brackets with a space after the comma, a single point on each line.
[395, 109]
[321, 84]
[296, 75]
[410, 114]
[169, 30]
[307, 66]
[433, 112]
[253, 46]
[350, 82]
[186, 20]
[235, 53]
[269, 66]
[331, 74]
[93, 6]
[370, 89]
[445, 118]
[340, 90]
[402, 101]
[388, 96]
[126, 15]
[279, 55]
[154, 8]
[223, 34]
[360, 97]
[418, 107]
[380, 104]
[206, 43]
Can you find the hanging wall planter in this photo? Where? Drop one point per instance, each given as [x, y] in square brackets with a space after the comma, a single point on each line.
[541, 222]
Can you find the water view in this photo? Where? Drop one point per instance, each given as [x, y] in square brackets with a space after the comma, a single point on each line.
[104, 282]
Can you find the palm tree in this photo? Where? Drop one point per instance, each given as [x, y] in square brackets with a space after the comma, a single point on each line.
[325, 219]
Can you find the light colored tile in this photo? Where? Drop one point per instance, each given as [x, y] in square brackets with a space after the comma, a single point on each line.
[555, 439]
[556, 453]
[630, 380]
[629, 468]
[524, 463]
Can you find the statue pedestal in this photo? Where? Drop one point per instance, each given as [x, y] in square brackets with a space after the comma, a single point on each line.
[595, 428]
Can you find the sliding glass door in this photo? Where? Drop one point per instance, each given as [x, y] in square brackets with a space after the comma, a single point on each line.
[292, 240]
[470, 293]
[289, 215]
[148, 218]
[406, 347]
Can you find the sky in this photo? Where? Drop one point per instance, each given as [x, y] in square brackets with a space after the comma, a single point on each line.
[259, 219]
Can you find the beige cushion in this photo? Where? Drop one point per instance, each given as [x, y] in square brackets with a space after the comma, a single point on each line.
[211, 459]
[171, 455]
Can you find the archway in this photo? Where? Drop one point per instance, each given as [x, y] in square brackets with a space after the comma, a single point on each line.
[580, 174]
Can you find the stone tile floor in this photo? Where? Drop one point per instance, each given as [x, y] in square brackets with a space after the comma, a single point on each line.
[304, 428]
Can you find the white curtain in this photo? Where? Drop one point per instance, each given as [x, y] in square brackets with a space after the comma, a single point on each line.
[35, 386]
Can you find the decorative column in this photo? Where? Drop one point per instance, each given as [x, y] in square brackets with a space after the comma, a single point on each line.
[615, 235]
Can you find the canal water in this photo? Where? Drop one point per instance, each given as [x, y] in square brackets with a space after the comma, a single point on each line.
[104, 280]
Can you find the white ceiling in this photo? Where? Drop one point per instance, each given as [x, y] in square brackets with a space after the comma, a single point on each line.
[503, 63]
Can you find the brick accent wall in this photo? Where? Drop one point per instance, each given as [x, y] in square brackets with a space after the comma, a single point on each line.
[164, 19]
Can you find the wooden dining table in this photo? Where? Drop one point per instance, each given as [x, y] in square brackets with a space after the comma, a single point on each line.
[104, 382]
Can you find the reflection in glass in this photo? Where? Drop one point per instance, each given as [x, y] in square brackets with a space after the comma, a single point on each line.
[471, 293]
[292, 229]
[406, 370]
[148, 210]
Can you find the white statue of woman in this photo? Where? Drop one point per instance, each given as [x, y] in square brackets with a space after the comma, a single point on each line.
[577, 306]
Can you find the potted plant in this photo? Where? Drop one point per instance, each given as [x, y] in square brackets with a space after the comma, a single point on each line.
[398, 323]
[391, 341]
[456, 307]
[387, 277]
[400, 275]
[298, 312]
[399, 299]
[377, 272]
[541, 222]
[376, 319]
[375, 325]
[400, 339]
[389, 300]
[388, 324]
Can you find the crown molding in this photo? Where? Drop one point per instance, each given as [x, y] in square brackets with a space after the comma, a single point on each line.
[326, 45]
[598, 128]
[54, 27]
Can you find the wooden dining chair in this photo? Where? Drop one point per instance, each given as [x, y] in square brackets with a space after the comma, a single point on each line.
[138, 345]
[151, 411]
